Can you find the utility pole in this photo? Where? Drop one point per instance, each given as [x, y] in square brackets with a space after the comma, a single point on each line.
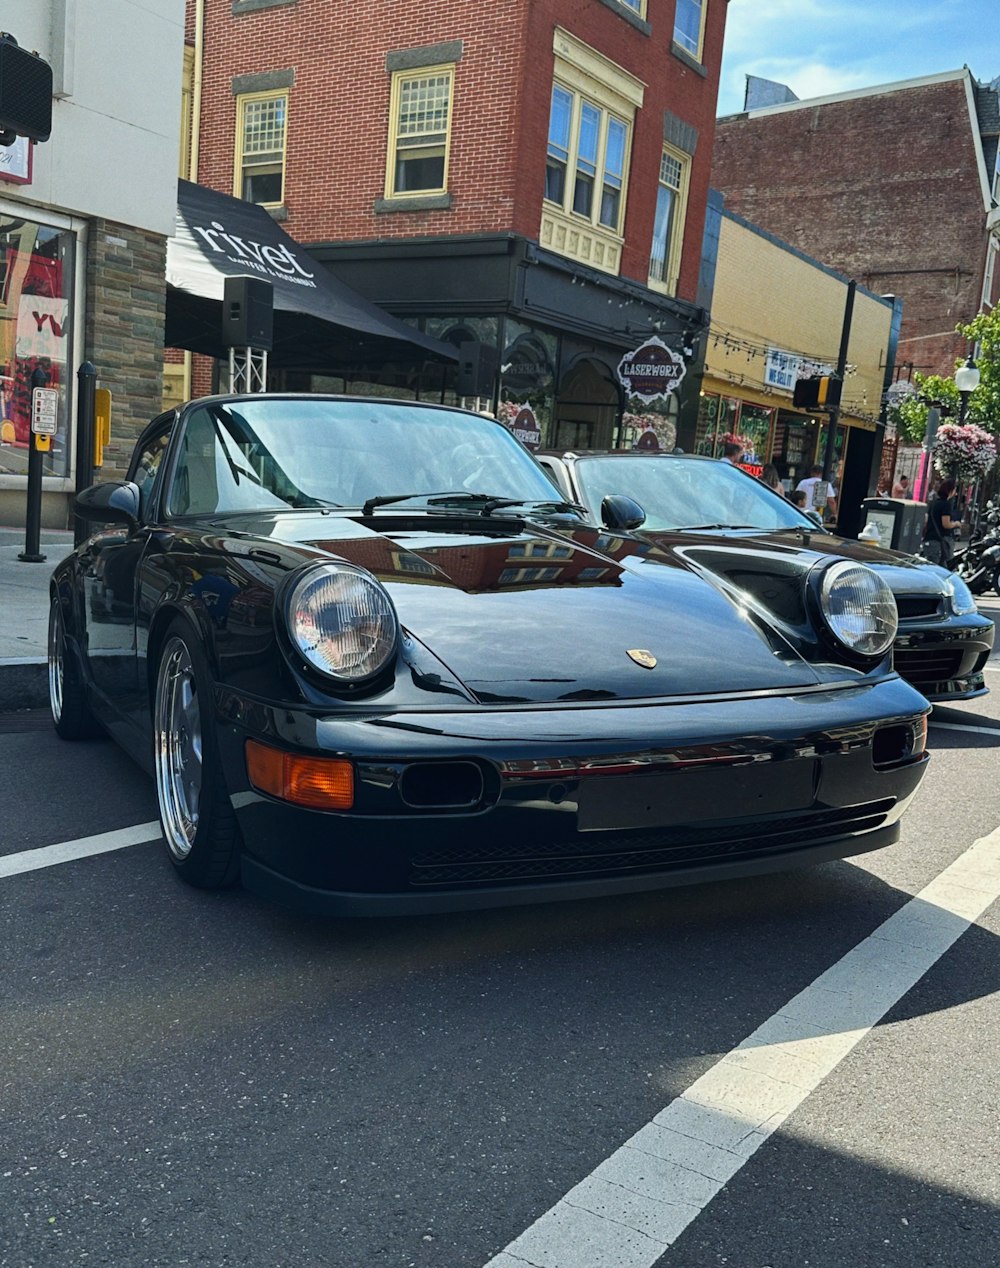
[830, 455]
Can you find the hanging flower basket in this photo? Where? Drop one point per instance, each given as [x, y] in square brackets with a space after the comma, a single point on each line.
[964, 452]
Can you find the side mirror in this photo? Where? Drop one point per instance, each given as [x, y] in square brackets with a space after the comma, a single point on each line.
[621, 513]
[116, 503]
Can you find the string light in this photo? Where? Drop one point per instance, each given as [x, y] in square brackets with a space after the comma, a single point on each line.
[753, 348]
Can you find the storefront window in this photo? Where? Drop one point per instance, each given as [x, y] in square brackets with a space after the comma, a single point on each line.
[528, 379]
[718, 419]
[723, 418]
[36, 302]
[705, 428]
[755, 428]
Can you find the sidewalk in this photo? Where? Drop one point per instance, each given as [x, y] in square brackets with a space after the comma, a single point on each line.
[24, 617]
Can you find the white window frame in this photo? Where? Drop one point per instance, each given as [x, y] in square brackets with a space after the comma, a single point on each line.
[399, 78]
[579, 101]
[674, 246]
[680, 37]
[239, 149]
[588, 76]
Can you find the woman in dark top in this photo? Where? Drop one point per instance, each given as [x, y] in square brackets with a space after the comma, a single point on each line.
[939, 524]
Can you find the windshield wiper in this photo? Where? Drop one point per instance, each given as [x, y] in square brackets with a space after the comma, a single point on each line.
[432, 499]
[556, 505]
[698, 528]
[490, 501]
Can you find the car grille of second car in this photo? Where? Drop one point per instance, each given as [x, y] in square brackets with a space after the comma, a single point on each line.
[928, 664]
[661, 850]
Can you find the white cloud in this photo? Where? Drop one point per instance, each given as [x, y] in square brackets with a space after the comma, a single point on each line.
[818, 47]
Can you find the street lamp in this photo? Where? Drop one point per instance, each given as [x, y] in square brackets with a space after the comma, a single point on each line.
[966, 380]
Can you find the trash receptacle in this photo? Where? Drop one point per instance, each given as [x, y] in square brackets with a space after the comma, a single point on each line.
[900, 522]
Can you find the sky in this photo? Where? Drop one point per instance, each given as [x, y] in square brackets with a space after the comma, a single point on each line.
[818, 47]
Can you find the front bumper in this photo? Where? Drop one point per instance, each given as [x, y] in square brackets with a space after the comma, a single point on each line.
[567, 802]
[945, 662]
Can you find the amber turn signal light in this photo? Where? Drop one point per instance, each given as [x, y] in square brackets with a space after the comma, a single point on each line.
[318, 783]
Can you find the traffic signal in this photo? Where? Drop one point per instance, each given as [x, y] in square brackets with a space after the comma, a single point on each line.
[25, 93]
[820, 391]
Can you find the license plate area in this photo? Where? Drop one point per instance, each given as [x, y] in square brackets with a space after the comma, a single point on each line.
[695, 795]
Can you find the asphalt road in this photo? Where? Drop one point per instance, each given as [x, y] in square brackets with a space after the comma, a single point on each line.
[210, 1080]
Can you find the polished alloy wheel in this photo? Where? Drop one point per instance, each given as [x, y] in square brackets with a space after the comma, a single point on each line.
[56, 654]
[178, 748]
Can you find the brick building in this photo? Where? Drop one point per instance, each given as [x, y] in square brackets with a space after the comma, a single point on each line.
[526, 180]
[895, 186]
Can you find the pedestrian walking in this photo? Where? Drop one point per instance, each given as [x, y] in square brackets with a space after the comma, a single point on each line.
[732, 452]
[901, 489]
[940, 524]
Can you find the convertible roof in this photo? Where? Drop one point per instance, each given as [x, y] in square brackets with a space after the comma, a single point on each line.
[320, 324]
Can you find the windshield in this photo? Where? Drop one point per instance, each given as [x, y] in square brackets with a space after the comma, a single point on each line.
[678, 493]
[265, 454]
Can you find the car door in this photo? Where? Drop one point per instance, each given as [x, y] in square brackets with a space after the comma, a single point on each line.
[110, 566]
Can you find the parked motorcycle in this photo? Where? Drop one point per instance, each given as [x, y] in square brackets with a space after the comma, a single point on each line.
[979, 563]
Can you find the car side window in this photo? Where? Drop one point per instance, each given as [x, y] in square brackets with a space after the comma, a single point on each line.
[145, 466]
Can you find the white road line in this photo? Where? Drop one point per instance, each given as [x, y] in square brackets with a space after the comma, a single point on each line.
[967, 726]
[635, 1205]
[81, 848]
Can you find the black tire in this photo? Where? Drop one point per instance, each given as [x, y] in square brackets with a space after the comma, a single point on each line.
[72, 715]
[199, 824]
[996, 580]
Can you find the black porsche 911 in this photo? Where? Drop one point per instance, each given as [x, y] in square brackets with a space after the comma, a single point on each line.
[375, 665]
[943, 640]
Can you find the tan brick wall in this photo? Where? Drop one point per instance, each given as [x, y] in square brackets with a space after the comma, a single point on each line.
[765, 294]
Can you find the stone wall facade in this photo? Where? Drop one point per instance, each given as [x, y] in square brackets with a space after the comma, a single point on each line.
[124, 321]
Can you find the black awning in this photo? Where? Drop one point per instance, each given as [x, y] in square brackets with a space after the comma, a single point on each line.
[319, 323]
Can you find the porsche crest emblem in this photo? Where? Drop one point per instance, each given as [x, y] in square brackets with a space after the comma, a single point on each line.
[641, 657]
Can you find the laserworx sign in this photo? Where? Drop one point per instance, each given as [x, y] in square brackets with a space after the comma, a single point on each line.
[651, 371]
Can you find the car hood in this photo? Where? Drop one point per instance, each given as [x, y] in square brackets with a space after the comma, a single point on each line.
[904, 574]
[518, 612]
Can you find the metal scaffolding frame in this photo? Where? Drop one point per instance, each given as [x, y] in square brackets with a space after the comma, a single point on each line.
[247, 370]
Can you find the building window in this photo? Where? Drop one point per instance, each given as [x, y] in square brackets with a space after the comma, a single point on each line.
[689, 26]
[37, 310]
[638, 6]
[419, 131]
[260, 147]
[594, 103]
[585, 171]
[668, 225]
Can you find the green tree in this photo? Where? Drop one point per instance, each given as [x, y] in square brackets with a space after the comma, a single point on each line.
[910, 416]
[984, 403]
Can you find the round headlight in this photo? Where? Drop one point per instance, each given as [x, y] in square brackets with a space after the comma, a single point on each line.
[962, 599]
[859, 608]
[342, 622]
